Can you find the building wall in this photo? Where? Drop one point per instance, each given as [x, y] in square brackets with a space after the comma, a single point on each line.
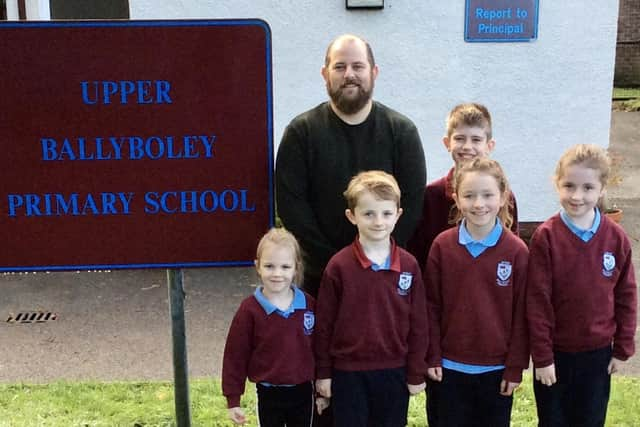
[627, 68]
[33, 9]
[544, 95]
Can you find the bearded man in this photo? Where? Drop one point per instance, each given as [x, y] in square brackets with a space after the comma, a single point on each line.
[323, 148]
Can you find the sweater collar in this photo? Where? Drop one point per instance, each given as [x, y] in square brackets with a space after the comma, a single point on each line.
[339, 119]
[584, 235]
[299, 302]
[366, 263]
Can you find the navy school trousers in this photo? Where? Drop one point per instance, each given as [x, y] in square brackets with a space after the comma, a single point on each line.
[283, 405]
[581, 393]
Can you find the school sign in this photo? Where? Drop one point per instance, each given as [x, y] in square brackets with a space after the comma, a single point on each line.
[134, 144]
[501, 20]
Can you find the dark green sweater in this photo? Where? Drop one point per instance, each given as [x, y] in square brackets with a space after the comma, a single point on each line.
[319, 154]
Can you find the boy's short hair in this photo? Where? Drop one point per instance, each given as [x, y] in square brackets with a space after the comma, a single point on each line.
[379, 183]
[470, 114]
[589, 155]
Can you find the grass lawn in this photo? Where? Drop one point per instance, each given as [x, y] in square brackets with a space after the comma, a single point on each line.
[626, 99]
[623, 92]
[137, 404]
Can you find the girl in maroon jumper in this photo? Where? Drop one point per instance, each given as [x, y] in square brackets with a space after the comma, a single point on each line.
[475, 279]
[581, 297]
[468, 136]
[269, 340]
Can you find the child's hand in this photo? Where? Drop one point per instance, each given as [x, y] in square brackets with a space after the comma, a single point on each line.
[323, 387]
[416, 388]
[322, 403]
[546, 375]
[237, 415]
[435, 374]
[507, 387]
[615, 365]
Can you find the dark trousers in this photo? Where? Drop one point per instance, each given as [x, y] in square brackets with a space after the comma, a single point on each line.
[291, 406]
[432, 402]
[470, 400]
[580, 395]
[378, 398]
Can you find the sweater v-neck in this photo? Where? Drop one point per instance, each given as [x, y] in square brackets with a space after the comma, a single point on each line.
[574, 236]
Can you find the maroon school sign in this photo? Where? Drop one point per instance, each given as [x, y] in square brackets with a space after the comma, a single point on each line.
[134, 144]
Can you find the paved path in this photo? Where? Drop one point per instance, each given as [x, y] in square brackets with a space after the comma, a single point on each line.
[116, 326]
[624, 192]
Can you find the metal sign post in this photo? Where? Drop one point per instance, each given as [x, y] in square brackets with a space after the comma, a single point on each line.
[178, 334]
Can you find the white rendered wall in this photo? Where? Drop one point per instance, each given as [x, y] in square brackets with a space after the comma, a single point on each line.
[544, 95]
[35, 10]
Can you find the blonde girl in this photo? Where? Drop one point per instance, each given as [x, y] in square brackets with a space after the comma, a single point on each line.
[269, 340]
[581, 300]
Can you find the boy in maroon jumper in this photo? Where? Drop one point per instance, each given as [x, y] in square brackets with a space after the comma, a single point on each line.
[475, 281]
[371, 332]
[581, 297]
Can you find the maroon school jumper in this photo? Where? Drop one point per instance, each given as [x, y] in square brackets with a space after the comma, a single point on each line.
[477, 312]
[436, 211]
[267, 348]
[581, 296]
[369, 320]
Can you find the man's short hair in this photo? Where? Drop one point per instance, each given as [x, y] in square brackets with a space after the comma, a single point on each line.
[327, 56]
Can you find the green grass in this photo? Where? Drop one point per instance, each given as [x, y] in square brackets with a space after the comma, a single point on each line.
[137, 404]
[626, 99]
[624, 92]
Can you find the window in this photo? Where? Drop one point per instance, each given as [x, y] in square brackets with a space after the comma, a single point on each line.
[89, 9]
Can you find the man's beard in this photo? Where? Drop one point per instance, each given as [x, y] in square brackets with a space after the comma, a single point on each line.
[350, 105]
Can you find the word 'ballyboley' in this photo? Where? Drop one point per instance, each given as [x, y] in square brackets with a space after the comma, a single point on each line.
[128, 148]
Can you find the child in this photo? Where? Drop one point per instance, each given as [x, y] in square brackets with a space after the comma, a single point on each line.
[371, 335]
[581, 297]
[475, 279]
[269, 339]
[468, 137]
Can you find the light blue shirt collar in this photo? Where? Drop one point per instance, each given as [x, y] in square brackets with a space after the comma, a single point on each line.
[584, 235]
[299, 302]
[476, 247]
[386, 265]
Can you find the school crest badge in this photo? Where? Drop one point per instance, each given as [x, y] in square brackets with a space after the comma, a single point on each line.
[608, 264]
[309, 322]
[504, 273]
[404, 283]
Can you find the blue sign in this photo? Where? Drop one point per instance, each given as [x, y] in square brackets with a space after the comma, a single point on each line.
[501, 20]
